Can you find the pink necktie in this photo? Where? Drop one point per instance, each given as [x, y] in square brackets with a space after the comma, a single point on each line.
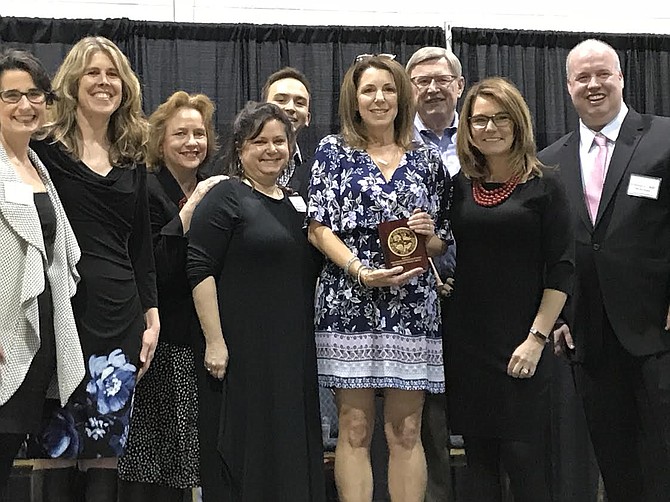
[594, 181]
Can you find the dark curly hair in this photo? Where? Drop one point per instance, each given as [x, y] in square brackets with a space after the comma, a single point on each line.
[248, 125]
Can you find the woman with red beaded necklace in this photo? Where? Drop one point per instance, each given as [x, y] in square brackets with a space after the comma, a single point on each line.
[510, 219]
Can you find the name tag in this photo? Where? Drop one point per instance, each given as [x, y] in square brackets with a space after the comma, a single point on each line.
[298, 203]
[643, 186]
[19, 193]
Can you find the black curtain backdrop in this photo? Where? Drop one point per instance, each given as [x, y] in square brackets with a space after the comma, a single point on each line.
[228, 62]
[535, 62]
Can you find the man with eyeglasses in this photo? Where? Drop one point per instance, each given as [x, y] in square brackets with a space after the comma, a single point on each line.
[438, 83]
[616, 170]
[437, 79]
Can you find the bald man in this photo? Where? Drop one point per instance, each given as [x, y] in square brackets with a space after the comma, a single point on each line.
[616, 169]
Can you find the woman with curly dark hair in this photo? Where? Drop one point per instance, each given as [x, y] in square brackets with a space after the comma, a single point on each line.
[253, 274]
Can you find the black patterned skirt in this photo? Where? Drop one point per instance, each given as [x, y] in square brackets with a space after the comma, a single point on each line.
[163, 445]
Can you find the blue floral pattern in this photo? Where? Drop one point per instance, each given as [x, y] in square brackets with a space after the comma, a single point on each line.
[97, 423]
[60, 438]
[112, 383]
[376, 337]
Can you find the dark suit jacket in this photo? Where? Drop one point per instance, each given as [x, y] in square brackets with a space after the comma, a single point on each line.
[299, 182]
[623, 261]
[179, 323]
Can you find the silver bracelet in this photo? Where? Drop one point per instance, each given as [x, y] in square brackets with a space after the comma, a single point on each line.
[541, 337]
[358, 275]
[349, 263]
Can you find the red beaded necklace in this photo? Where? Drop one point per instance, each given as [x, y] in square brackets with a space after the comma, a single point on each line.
[489, 198]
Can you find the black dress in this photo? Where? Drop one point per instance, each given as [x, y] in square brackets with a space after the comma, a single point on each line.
[507, 255]
[22, 413]
[110, 219]
[269, 434]
[163, 440]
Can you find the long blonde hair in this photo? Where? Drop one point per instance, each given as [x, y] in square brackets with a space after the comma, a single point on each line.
[127, 131]
[159, 119]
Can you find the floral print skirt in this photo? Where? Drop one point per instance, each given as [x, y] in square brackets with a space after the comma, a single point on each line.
[371, 338]
[94, 423]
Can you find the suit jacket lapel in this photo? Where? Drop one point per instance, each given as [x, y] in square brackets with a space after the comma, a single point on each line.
[572, 176]
[629, 137]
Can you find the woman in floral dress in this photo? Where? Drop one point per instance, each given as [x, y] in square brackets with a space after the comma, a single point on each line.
[377, 328]
[94, 154]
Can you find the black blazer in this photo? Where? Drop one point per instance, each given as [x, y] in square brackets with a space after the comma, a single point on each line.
[299, 182]
[623, 261]
[179, 324]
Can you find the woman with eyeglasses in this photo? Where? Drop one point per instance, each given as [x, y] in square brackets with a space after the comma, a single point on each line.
[377, 328]
[95, 153]
[38, 254]
[509, 215]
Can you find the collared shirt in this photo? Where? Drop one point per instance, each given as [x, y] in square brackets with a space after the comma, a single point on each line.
[446, 144]
[287, 174]
[588, 150]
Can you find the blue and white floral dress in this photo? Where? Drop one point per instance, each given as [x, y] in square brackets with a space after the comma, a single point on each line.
[376, 337]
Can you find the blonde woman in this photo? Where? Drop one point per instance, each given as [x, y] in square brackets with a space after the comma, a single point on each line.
[94, 153]
[162, 455]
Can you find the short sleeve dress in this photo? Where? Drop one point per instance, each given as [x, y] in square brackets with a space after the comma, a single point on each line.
[110, 218]
[376, 337]
[269, 434]
[507, 255]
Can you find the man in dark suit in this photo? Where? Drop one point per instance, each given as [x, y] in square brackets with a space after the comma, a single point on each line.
[616, 169]
[289, 89]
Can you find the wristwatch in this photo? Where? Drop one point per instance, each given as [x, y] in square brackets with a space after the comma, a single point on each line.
[539, 335]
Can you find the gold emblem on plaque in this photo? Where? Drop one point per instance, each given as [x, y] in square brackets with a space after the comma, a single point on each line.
[402, 241]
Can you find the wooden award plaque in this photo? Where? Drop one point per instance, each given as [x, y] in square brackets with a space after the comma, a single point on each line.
[402, 246]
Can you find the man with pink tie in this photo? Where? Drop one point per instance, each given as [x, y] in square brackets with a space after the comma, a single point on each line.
[616, 169]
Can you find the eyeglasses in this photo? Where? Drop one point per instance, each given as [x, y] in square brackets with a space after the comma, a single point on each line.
[423, 81]
[13, 96]
[363, 57]
[480, 122]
